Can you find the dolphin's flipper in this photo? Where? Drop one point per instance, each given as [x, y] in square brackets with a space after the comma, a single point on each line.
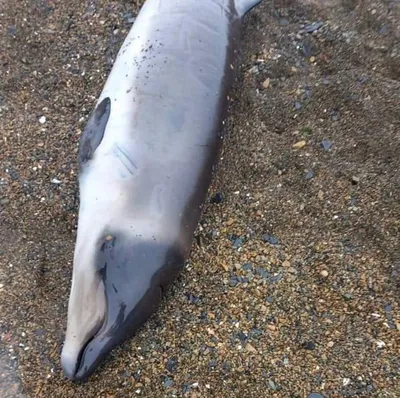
[94, 131]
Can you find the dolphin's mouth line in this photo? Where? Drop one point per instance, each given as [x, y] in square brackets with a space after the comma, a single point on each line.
[85, 347]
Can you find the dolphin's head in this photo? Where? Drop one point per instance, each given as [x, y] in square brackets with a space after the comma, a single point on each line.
[117, 283]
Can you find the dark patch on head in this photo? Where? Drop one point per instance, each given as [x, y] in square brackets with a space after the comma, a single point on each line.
[135, 274]
[94, 131]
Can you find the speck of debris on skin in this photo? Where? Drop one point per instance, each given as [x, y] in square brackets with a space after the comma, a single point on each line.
[55, 63]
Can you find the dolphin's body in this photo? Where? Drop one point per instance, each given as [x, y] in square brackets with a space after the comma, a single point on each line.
[146, 161]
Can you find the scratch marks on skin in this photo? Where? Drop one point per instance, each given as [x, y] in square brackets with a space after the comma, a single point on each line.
[126, 161]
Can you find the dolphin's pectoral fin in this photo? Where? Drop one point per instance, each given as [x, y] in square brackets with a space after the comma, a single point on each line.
[244, 6]
[94, 131]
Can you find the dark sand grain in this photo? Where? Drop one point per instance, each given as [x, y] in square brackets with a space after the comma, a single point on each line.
[294, 279]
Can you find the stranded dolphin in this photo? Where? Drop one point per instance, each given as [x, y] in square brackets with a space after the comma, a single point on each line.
[146, 160]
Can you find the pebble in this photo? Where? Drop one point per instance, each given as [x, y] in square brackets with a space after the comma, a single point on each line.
[308, 345]
[271, 239]
[284, 22]
[313, 27]
[272, 385]
[168, 382]
[324, 273]
[310, 174]
[299, 145]
[298, 105]
[247, 267]
[42, 119]
[217, 198]
[266, 83]
[250, 348]
[326, 144]
[172, 364]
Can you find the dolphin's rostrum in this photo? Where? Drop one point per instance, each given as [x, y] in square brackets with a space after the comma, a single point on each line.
[146, 160]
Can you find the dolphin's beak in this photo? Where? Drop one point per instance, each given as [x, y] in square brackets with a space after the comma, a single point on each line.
[134, 276]
[71, 363]
[121, 324]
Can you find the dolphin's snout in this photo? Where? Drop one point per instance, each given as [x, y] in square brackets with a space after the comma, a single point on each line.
[68, 364]
[134, 274]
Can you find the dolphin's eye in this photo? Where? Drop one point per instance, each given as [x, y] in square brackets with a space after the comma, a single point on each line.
[103, 271]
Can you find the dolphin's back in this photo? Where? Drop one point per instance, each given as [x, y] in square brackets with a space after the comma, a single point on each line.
[167, 93]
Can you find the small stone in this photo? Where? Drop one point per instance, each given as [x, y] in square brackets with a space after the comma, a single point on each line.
[168, 382]
[269, 299]
[284, 22]
[237, 243]
[326, 144]
[247, 267]
[313, 27]
[320, 195]
[298, 105]
[192, 298]
[286, 264]
[330, 344]
[266, 83]
[380, 343]
[271, 239]
[55, 181]
[310, 174]
[224, 266]
[272, 385]
[312, 59]
[308, 345]
[172, 364]
[250, 348]
[233, 281]
[324, 273]
[355, 179]
[42, 119]
[217, 198]
[299, 145]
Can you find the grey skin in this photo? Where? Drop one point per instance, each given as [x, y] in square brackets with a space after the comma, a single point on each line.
[146, 160]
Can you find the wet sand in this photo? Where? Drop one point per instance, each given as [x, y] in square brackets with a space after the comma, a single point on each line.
[293, 283]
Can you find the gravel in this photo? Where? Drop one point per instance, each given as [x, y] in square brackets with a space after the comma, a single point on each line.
[292, 287]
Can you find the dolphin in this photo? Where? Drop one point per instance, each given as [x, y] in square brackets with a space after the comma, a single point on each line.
[146, 160]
